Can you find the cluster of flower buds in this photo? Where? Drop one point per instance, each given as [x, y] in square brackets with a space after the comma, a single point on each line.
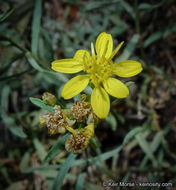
[62, 120]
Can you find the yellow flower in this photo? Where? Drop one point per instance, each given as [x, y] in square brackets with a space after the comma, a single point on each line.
[99, 70]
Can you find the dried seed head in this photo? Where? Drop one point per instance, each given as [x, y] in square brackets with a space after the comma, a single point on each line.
[57, 122]
[49, 99]
[79, 139]
[80, 110]
[76, 143]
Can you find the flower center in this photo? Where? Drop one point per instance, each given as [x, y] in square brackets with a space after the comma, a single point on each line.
[98, 69]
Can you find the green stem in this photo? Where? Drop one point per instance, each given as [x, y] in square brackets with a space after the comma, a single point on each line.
[138, 30]
[13, 43]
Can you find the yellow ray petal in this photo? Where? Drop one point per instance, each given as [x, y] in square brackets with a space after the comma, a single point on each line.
[67, 66]
[104, 45]
[75, 86]
[116, 49]
[116, 88]
[127, 68]
[100, 102]
[92, 50]
[89, 130]
[79, 55]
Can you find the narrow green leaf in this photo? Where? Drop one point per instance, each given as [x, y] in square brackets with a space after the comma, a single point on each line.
[63, 171]
[56, 149]
[36, 26]
[144, 145]
[131, 134]
[41, 104]
[100, 166]
[44, 167]
[14, 129]
[160, 156]
[112, 121]
[95, 144]
[159, 34]
[33, 62]
[80, 181]
[89, 6]
[4, 98]
[49, 174]
[40, 149]
[150, 6]
[25, 161]
[128, 8]
[146, 148]
[47, 73]
[7, 63]
[154, 146]
[157, 141]
[129, 83]
[18, 131]
[152, 38]
[133, 143]
[7, 14]
[129, 48]
[115, 159]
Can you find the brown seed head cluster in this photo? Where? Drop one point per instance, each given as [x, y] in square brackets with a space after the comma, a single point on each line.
[56, 122]
[76, 143]
[81, 110]
[79, 140]
[61, 120]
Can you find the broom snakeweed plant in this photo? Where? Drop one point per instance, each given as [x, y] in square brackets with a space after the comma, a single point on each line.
[100, 72]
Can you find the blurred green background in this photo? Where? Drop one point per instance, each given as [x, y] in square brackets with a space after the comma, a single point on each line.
[136, 143]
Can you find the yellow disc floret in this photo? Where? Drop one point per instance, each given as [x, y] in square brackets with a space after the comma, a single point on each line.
[98, 68]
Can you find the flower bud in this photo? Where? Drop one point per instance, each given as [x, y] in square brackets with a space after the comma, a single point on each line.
[49, 99]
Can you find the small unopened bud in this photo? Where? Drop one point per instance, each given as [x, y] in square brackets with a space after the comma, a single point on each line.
[79, 139]
[49, 99]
